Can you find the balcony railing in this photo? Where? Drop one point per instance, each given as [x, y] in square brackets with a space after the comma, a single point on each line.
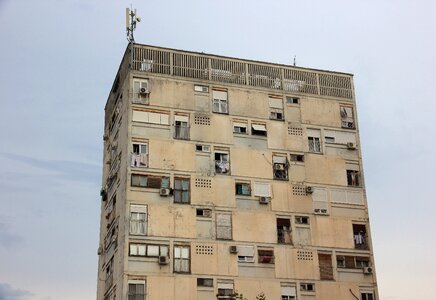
[236, 71]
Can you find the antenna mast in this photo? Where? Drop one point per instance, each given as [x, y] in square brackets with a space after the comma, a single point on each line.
[131, 20]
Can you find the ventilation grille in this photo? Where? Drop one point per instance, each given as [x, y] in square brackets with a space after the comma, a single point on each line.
[204, 250]
[203, 183]
[297, 131]
[299, 190]
[201, 120]
[304, 255]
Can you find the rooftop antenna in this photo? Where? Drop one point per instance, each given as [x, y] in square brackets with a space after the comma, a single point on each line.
[131, 20]
[295, 60]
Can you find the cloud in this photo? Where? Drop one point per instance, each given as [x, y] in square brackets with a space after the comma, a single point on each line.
[9, 293]
[8, 240]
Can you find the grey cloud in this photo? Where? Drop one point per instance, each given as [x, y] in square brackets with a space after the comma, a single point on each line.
[9, 293]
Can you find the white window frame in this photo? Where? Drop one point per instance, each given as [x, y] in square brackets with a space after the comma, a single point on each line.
[135, 296]
[314, 140]
[182, 253]
[220, 102]
[223, 220]
[138, 219]
[246, 254]
[139, 158]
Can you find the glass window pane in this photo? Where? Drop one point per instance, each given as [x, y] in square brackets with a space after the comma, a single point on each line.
[164, 250]
[152, 250]
[177, 252]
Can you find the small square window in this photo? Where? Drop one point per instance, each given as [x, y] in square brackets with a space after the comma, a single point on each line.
[297, 157]
[329, 139]
[205, 282]
[292, 100]
[302, 220]
[243, 188]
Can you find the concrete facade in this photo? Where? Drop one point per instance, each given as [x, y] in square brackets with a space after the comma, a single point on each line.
[224, 175]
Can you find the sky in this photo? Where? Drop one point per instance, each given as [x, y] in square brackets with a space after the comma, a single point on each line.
[58, 60]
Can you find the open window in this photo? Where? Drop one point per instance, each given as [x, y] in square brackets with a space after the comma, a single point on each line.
[240, 127]
[352, 262]
[149, 181]
[138, 219]
[139, 155]
[222, 161]
[182, 190]
[280, 167]
[292, 100]
[367, 295]
[181, 127]
[265, 256]
[276, 108]
[284, 231]
[220, 101]
[360, 237]
[347, 116]
[246, 254]
[302, 220]
[243, 188]
[314, 140]
[297, 158]
[258, 129]
[205, 282]
[182, 259]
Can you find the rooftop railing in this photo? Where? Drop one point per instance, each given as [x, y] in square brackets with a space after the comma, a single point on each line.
[228, 70]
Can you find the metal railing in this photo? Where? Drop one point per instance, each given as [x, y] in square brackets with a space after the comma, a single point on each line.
[221, 69]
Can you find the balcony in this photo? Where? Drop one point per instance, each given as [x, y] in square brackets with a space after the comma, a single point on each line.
[150, 59]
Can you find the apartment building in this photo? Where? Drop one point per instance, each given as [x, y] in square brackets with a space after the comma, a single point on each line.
[224, 175]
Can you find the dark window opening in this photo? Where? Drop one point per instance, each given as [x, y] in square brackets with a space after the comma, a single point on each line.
[284, 231]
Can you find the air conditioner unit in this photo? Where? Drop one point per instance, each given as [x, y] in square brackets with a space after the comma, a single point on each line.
[105, 137]
[351, 146]
[233, 249]
[207, 213]
[107, 216]
[367, 270]
[100, 250]
[279, 167]
[320, 211]
[144, 90]
[164, 192]
[264, 200]
[309, 190]
[163, 260]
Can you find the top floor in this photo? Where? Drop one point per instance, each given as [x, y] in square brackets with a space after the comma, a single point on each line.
[201, 66]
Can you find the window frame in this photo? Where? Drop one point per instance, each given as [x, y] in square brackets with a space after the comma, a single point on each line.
[217, 226]
[175, 258]
[135, 296]
[242, 183]
[181, 190]
[138, 210]
[222, 103]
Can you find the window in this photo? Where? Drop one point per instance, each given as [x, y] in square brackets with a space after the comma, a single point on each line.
[302, 220]
[240, 127]
[222, 161]
[202, 148]
[224, 226]
[307, 287]
[288, 293]
[136, 249]
[265, 256]
[141, 91]
[220, 101]
[359, 236]
[347, 118]
[201, 88]
[182, 262]
[276, 108]
[258, 129]
[297, 157]
[225, 290]
[329, 139]
[367, 296]
[138, 219]
[292, 100]
[139, 156]
[280, 167]
[181, 190]
[262, 189]
[246, 254]
[201, 212]
[152, 117]
[181, 127]
[284, 231]
[325, 266]
[352, 262]
[136, 290]
[243, 188]
[147, 181]
[353, 178]
[205, 282]
[313, 138]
